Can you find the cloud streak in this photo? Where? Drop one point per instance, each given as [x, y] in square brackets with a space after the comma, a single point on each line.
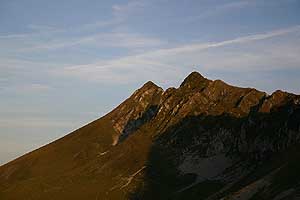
[100, 40]
[179, 60]
[239, 40]
[124, 10]
[220, 10]
[120, 13]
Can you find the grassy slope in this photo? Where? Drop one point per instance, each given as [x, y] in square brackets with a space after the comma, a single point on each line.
[56, 168]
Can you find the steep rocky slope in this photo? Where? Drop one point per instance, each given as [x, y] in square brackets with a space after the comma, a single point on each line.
[203, 140]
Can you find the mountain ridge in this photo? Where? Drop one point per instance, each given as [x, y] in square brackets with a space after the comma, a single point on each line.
[168, 144]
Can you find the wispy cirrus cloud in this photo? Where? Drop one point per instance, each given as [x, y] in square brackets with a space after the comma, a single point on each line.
[233, 6]
[28, 88]
[120, 12]
[33, 31]
[43, 37]
[220, 9]
[123, 10]
[43, 28]
[100, 40]
[252, 52]
[34, 87]
[239, 40]
[99, 24]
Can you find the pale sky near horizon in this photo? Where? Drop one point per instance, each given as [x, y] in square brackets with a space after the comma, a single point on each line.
[65, 63]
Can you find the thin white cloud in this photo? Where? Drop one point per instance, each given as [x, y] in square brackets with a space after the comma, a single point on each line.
[119, 14]
[220, 9]
[21, 76]
[35, 30]
[42, 28]
[123, 10]
[25, 88]
[239, 40]
[44, 38]
[167, 64]
[34, 87]
[13, 36]
[100, 40]
[100, 24]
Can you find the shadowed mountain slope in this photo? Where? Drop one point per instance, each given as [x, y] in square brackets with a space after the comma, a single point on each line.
[203, 140]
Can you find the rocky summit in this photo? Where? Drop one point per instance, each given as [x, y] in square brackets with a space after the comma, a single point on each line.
[203, 140]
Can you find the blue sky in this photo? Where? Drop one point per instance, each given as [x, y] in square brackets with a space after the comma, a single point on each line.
[65, 63]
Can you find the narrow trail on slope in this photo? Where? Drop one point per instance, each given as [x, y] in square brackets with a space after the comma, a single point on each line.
[132, 177]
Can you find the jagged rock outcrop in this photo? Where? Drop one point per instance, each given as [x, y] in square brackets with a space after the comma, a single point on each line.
[135, 111]
[203, 140]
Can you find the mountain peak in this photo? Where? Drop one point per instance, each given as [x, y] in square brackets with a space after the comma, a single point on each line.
[194, 75]
[204, 130]
[150, 84]
[194, 79]
[147, 87]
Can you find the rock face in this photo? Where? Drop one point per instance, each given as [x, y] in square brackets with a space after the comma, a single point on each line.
[135, 111]
[203, 140]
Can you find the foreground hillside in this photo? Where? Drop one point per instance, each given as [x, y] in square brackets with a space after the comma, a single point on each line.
[203, 140]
